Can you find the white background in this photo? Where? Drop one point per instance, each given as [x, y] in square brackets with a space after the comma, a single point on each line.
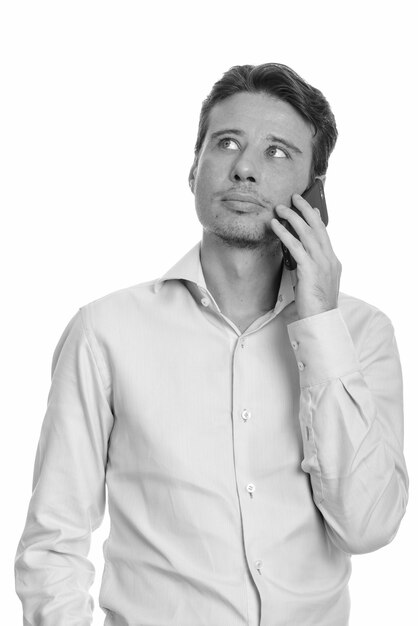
[99, 111]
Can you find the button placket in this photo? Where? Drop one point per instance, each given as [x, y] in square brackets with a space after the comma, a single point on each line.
[242, 410]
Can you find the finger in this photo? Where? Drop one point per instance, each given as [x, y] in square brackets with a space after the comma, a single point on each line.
[294, 246]
[305, 233]
[298, 223]
[318, 231]
[312, 216]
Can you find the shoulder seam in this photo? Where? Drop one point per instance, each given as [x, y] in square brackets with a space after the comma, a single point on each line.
[85, 332]
[122, 289]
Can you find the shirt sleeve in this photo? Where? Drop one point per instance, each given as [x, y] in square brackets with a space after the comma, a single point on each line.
[351, 418]
[52, 572]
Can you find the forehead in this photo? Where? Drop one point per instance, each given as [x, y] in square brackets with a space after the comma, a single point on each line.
[259, 115]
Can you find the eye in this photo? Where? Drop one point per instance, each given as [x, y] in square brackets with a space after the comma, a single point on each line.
[226, 143]
[275, 151]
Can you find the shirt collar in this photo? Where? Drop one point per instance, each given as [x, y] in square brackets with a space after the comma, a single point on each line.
[189, 268]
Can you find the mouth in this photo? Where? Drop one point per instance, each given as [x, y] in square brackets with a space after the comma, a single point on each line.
[242, 197]
[241, 202]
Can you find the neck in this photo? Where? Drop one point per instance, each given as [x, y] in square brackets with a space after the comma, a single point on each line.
[243, 281]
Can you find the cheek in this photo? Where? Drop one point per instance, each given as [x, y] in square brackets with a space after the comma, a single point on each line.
[283, 184]
[280, 188]
[206, 179]
[205, 171]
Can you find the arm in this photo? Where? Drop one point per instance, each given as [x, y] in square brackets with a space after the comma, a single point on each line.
[53, 574]
[351, 405]
[351, 417]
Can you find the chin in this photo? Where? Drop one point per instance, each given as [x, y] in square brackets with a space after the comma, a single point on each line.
[245, 238]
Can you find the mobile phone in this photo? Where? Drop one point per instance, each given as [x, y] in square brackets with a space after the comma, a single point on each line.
[316, 197]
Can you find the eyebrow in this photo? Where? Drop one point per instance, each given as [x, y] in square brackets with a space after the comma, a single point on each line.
[240, 133]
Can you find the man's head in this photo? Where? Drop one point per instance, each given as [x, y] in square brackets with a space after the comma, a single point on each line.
[262, 103]
[283, 83]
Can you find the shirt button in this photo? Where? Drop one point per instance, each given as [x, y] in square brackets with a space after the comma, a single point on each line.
[295, 345]
[301, 365]
[205, 301]
[250, 488]
[246, 415]
[280, 298]
[259, 564]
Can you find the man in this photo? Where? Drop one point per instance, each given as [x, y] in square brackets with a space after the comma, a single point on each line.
[246, 419]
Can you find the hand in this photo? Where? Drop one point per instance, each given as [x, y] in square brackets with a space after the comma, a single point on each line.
[318, 269]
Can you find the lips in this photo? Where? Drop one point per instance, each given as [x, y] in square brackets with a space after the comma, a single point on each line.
[242, 197]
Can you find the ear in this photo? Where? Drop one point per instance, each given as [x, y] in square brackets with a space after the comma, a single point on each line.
[192, 174]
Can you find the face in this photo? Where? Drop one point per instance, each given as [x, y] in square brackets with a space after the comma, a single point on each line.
[257, 152]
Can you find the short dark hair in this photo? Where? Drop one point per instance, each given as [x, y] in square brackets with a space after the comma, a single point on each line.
[283, 83]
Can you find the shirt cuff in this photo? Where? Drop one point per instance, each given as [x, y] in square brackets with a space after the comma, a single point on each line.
[323, 348]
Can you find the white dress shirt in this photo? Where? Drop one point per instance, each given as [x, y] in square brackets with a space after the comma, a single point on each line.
[242, 468]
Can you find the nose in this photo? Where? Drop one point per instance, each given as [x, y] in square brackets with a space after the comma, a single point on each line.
[245, 168]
